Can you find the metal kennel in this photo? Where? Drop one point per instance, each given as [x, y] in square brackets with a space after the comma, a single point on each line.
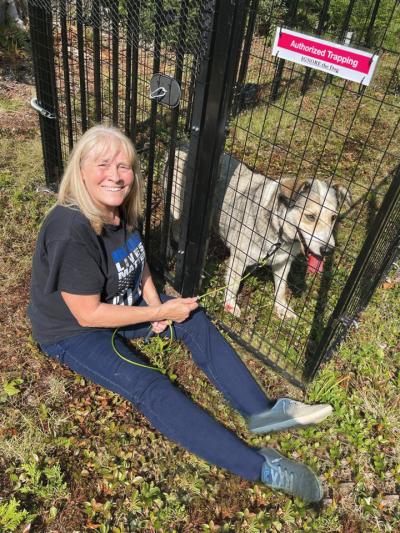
[200, 74]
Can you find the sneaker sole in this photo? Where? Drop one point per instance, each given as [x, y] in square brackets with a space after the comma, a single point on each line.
[305, 420]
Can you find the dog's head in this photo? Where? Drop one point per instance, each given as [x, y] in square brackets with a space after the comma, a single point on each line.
[312, 209]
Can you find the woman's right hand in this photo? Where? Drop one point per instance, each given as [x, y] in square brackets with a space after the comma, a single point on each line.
[178, 309]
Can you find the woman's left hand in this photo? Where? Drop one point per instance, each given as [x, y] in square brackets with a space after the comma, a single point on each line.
[159, 326]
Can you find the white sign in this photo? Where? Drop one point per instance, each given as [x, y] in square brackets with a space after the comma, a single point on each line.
[336, 59]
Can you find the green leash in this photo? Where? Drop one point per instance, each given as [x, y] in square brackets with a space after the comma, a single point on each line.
[119, 354]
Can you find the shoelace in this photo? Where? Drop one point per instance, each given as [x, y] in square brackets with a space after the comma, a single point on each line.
[281, 477]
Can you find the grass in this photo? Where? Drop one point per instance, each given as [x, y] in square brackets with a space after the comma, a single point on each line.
[74, 457]
[9, 106]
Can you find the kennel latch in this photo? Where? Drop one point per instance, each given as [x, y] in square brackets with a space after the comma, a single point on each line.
[37, 107]
[165, 89]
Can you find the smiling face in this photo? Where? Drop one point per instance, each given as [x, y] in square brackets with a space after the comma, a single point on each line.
[108, 178]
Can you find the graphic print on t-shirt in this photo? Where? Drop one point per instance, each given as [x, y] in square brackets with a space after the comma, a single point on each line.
[129, 261]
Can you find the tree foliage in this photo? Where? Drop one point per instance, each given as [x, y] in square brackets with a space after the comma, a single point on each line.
[384, 31]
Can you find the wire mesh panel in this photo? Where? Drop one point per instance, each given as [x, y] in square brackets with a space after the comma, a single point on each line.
[307, 160]
[379, 252]
[105, 53]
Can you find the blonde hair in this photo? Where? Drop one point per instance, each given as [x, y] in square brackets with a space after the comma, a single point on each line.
[72, 191]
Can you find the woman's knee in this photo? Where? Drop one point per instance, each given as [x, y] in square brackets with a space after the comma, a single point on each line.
[152, 392]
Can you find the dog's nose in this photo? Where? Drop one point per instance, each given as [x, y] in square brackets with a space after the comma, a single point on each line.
[326, 250]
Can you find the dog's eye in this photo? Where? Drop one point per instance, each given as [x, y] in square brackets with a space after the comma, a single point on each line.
[311, 217]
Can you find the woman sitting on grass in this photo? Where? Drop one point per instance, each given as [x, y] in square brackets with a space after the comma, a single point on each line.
[90, 276]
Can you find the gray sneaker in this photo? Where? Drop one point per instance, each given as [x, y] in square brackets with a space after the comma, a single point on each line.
[293, 478]
[288, 413]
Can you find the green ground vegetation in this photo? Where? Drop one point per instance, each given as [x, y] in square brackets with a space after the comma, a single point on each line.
[74, 457]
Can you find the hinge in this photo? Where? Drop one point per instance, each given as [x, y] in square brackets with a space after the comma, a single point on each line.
[346, 321]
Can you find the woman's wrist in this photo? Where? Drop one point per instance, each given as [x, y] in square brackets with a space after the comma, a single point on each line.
[158, 313]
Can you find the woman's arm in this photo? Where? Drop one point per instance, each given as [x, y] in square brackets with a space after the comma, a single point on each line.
[149, 290]
[89, 311]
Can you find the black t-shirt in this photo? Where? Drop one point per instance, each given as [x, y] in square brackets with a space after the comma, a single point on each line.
[70, 257]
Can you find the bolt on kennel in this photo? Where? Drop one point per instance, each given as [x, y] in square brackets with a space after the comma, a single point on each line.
[217, 120]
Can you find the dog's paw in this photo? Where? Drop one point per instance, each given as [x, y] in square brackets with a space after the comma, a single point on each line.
[284, 311]
[232, 308]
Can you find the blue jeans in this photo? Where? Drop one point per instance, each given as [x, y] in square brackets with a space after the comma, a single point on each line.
[168, 408]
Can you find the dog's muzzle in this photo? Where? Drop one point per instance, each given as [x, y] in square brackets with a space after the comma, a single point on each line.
[315, 262]
[327, 250]
[324, 251]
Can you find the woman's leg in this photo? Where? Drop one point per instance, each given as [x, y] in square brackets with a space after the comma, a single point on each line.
[168, 409]
[218, 360]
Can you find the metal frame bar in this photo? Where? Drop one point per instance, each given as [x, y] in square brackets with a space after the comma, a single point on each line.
[81, 60]
[321, 23]
[368, 35]
[289, 20]
[65, 63]
[153, 125]
[115, 60]
[244, 62]
[210, 113]
[41, 24]
[180, 54]
[96, 21]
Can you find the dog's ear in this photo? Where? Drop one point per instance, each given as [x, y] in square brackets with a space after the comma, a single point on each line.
[343, 195]
[291, 188]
